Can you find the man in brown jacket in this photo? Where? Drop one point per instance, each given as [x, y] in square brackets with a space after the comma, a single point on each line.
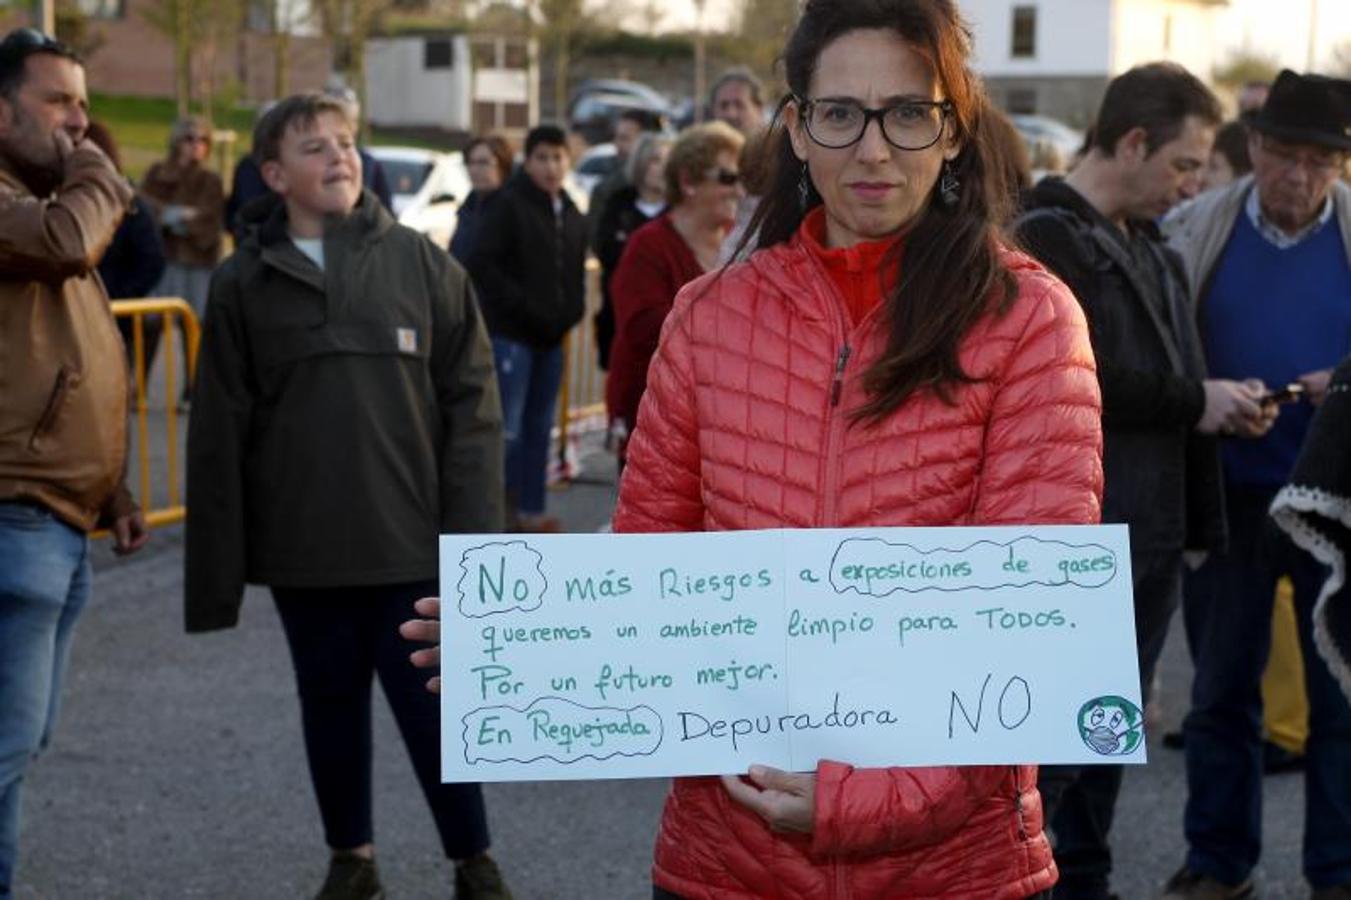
[63, 393]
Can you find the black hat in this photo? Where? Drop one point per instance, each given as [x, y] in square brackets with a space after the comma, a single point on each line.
[1307, 109]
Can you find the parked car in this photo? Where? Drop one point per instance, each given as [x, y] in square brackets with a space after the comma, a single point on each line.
[645, 96]
[427, 187]
[593, 112]
[594, 115]
[1043, 129]
[594, 166]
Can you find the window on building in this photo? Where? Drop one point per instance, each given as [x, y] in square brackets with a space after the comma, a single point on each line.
[483, 54]
[1024, 31]
[437, 54]
[102, 9]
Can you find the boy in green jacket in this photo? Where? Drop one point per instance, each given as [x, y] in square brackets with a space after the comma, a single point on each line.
[345, 412]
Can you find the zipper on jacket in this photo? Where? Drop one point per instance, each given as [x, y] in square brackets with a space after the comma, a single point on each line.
[835, 426]
[842, 891]
[837, 384]
[1018, 808]
[54, 403]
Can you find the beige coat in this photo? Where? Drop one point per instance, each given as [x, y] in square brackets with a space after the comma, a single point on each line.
[1199, 230]
[197, 187]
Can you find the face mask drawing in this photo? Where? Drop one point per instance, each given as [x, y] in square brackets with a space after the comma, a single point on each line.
[1111, 726]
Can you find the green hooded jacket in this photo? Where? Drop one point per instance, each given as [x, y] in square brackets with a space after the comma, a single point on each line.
[341, 418]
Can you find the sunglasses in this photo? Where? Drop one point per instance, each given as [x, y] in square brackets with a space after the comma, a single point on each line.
[725, 177]
[194, 139]
[30, 39]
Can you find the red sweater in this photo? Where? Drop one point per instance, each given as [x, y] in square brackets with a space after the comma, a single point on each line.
[853, 270]
[656, 263]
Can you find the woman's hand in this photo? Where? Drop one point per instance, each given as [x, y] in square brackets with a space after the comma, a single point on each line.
[785, 800]
[427, 630]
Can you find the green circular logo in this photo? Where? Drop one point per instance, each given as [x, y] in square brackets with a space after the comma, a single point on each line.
[1111, 725]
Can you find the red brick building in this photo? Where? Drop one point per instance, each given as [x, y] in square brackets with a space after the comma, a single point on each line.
[135, 58]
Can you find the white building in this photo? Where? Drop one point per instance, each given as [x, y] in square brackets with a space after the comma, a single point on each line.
[1055, 57]
[452, 82]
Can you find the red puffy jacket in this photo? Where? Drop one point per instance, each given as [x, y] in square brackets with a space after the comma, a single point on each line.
[745, 424]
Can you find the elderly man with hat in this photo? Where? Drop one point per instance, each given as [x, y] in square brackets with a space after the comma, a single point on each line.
[1269, 258]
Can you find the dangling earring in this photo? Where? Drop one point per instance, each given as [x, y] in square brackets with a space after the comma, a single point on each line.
[949, 185]
[804, 188]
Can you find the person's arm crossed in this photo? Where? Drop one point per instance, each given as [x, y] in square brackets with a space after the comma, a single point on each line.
[64, 236]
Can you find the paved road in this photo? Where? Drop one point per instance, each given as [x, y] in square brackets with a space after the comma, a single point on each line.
[177, 772]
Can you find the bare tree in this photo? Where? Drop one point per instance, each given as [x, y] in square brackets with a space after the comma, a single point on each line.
[348, 24]
[197, 29]
[762, 29]
[74, 29]
[173, 18]
[499, 17]
[654, 13]
[283, 17]
[1244, 66]
[561, 25]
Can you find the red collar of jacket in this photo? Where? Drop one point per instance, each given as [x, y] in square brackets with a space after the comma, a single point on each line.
[862, 274]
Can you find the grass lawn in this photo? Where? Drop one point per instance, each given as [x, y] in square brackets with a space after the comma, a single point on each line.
[141, 126]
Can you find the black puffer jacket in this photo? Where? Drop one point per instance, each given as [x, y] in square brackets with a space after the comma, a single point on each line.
[529, 265]
[341, 418]
[1162, 477]
[619, 219]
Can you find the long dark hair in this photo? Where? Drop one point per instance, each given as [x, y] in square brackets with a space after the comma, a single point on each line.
[952, 274]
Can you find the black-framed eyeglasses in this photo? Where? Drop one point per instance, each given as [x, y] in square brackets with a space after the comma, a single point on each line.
[839, 123]
[724, 177]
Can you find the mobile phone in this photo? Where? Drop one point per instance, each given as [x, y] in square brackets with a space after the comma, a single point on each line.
[1288, 394]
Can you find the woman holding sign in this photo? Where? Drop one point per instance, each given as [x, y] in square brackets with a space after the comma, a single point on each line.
[881, 360]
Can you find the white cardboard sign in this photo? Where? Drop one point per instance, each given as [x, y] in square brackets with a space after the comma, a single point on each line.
[622, 656]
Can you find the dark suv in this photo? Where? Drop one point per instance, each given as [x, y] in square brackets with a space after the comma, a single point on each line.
[597, 105]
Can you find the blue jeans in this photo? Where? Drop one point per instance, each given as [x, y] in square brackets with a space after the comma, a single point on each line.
[528, 380]
[1228, 617]
[44, 584]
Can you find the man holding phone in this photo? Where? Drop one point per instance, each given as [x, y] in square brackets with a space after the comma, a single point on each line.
[1270, 264]
[1095, 229]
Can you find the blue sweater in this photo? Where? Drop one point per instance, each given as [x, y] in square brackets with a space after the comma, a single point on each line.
[1276, 314]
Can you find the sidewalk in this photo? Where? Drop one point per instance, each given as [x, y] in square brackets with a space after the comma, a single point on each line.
[177, 771]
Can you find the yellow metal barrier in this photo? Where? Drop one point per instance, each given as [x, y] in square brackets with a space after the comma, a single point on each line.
[581, 397]
[176, 314]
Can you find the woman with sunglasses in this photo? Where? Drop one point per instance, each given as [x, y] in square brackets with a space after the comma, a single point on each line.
[188, 200]
[702, 186]
[880, 360]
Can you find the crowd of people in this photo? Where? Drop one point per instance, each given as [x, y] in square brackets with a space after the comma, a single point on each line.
[858, 307]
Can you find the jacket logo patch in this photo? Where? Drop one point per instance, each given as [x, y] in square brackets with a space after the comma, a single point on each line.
[407, 338]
